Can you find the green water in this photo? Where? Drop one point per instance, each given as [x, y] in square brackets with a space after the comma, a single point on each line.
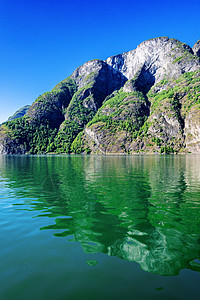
[96, 227]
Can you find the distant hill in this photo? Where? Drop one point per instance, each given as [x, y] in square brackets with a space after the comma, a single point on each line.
[146, 100]
[19, 113]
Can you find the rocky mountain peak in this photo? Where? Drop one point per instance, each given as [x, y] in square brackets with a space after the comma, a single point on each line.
[98, 70]
[87, 71]
[155, 60]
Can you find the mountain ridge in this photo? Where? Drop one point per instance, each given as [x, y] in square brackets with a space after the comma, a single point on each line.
[144, 100]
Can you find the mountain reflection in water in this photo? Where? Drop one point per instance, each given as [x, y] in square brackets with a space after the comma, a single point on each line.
[144, 209]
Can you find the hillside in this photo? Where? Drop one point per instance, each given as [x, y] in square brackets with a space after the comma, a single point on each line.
[144, 100]
[19, 113]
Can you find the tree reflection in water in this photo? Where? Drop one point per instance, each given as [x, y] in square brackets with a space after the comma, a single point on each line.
[141, 209]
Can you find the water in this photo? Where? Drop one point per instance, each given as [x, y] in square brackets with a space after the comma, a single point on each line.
[96, 227]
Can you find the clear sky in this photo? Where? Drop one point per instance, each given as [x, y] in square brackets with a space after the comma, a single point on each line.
[43, 41]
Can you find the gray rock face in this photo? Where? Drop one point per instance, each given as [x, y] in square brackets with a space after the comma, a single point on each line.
[104, 76]
[192, 130]
[129, 86]
[95, 81]
[196, 48]
[102, 142]
[156, 59]
[11, 146]
[169, 125]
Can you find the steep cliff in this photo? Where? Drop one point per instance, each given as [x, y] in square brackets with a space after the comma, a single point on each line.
[165, 121]
[144, 100]
[156, 59]
[196, 48]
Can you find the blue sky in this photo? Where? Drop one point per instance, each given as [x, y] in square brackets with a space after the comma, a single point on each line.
[43, 41]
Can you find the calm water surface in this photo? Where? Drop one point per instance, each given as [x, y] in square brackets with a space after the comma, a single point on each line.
[96, 227]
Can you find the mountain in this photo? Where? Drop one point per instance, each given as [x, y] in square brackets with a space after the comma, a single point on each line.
[145, 100]
[19, 113]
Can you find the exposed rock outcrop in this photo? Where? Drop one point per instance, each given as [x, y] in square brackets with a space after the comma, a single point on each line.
[192, 130]
[95, 81]
[196, 48]
[156, 59]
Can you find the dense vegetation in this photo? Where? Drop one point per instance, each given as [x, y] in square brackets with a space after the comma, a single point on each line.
[35, 137]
